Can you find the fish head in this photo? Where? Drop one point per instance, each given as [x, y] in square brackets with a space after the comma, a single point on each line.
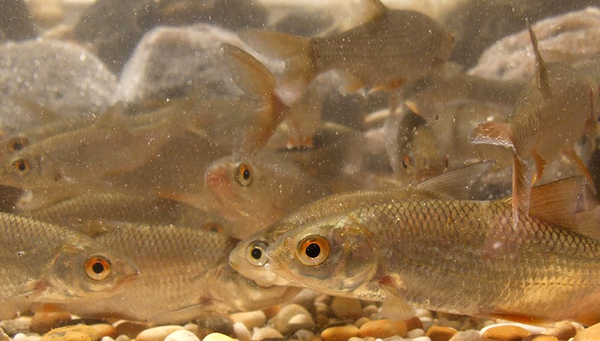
[83, 269]
[333, 256]
[24, 170]
[232, 181]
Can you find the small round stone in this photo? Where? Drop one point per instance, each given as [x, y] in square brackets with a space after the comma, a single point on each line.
[383, 328]
[250, 319]
[426, 321]
[562, 330]
[122, 338]
[369, 310]
[415, 333]
[217, 337]
[157, 333]
[346, 308]
[4, 336]
[588, 334]
[72, 333]
[105, 329]
[182, 335]
[341, 333]
[266, 333]
[241, 332]
[468, 335]
[506, 333]
[281, 321]
[129, 328]
[21, 324]
[414, 323]
[107, 338]
[544, 338]
[420, 312]
[440, 333]
[421, 338]
[358, 323]
[304, 335]
[47, 318]
[300, 321]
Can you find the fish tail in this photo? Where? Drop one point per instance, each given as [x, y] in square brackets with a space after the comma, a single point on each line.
[295, 51]
[495, 133]
[520, 189]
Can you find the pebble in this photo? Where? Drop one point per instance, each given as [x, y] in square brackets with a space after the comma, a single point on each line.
[281, 321]
[20, 324]
[341, 333]
[129, 328]
[217, 337]
[300, 321]
[105, 329]
[72, 333]
[414, 323]
[191, 327]
[304, 335]
[211, 322]
[506, 333]
[358, 323]
[369, 310]
[182, 335]
[346, 308]
[250, 319]
[426, 321]
[241, 332]
[589, 334]
[383, 328]
[48, 317]
[544, 338]
[3, 336]
[122, 338]
[157, 333]
[266, 333]
[422, 338]
[468, 335]
[562, 330]
[440, 333]
[415, 333]
[107, 338]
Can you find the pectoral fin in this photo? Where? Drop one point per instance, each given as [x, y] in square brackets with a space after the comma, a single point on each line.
[395, 306]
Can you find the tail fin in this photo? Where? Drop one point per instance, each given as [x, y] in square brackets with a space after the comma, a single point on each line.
[294, 51]
[543, 82]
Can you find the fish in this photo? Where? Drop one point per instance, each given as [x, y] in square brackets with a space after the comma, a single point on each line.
[46, 263]
[253, 192]
[249, 257]
[550, 116]
[391, 48]
[183, 272]
[455, 256]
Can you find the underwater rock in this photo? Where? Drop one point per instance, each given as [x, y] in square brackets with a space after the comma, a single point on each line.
[440, 333]
[340, 333]
[383, 328]
[157, 333]
[565, 37]
[171, 61]
[72, 333]
[478, 24]
[56, 75]
[506, 332]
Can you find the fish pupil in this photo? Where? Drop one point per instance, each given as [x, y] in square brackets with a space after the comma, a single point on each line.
[17, 146]
[21, 166]
[246, 174]
[256, 253]
[313, 250]
[98, 268]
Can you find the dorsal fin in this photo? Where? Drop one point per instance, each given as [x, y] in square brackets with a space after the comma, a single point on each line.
[542, 71]
[372, 9]
[455, 184]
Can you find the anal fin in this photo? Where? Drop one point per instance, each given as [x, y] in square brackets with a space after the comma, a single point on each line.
[395, 306]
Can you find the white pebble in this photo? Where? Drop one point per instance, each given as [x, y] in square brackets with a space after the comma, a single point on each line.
[355, 338]
[122, 338]
[304, 335]
[529, 328]
[422, 338]
[427, 322]
[107, 338]
[281, 321]
[182, 335]
[241, 332]
[250, 319]
[423, 313]
[369, 310]
[217, 337]
[157, 333]
[19, 337]
[302, 319]
[265, 333]
[415, 333]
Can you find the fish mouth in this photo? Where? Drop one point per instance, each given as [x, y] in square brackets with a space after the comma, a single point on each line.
[217, 182]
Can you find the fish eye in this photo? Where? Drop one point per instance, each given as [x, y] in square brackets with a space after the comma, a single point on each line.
[256, 253]
[244, 175]
[21, 166]
[312, 251]
[406, 162]
[97, 268]
[17, 143]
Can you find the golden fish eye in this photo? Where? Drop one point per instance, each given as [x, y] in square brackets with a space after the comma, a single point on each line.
[97, 268]
[256, 253]
[244, 175]
[406, 162]
[17, 143]
[312, 250]
[21, 166]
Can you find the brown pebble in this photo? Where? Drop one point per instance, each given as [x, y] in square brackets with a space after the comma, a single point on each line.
[129, 328]
[272, 311]
[383, 328]
[48, 317]
[4, 336]
[506, 333]
[322, 320]
[414, 323]
[591, 333]
[72, 333]
[361, 321]
[105, 329]
[157, 333]
[211, 322]
[346, 308]
[544, 338]
[562, 330]
[467, 335]
[440, 333]
[341, 333]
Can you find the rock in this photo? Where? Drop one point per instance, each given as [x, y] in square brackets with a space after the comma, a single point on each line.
[440, 333]
[130, 329]
[543, 338]
[265, 333]
[421, 338]
[250, 319]
[414, 323]
[281, 321]
[346, 308]
[157, 333]
[20, 324]
[562, 330]
[107, 338]
[358, 323]
[3, 336]
[122, 338]
[217, 337]
[341, 333]
[588, 334]
[72, 333]
[564, 37]
[426, 321]
[506, 333]
[300, 321]
[105, 329]
[304, 335]
[209, 323]
[420, 312]
[415, 333]
[383, 328]
[241, 332]
[468, 335]
[369, 310]
[182, 335]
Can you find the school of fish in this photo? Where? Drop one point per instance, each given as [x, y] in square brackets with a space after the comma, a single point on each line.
[164, 208]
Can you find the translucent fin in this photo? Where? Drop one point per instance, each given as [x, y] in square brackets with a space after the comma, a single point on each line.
[395, 306]
[248, 73]
[520, 189]
[575, 159]
[540, 164]
[495, 133]
[543, 82]
[456, 184]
